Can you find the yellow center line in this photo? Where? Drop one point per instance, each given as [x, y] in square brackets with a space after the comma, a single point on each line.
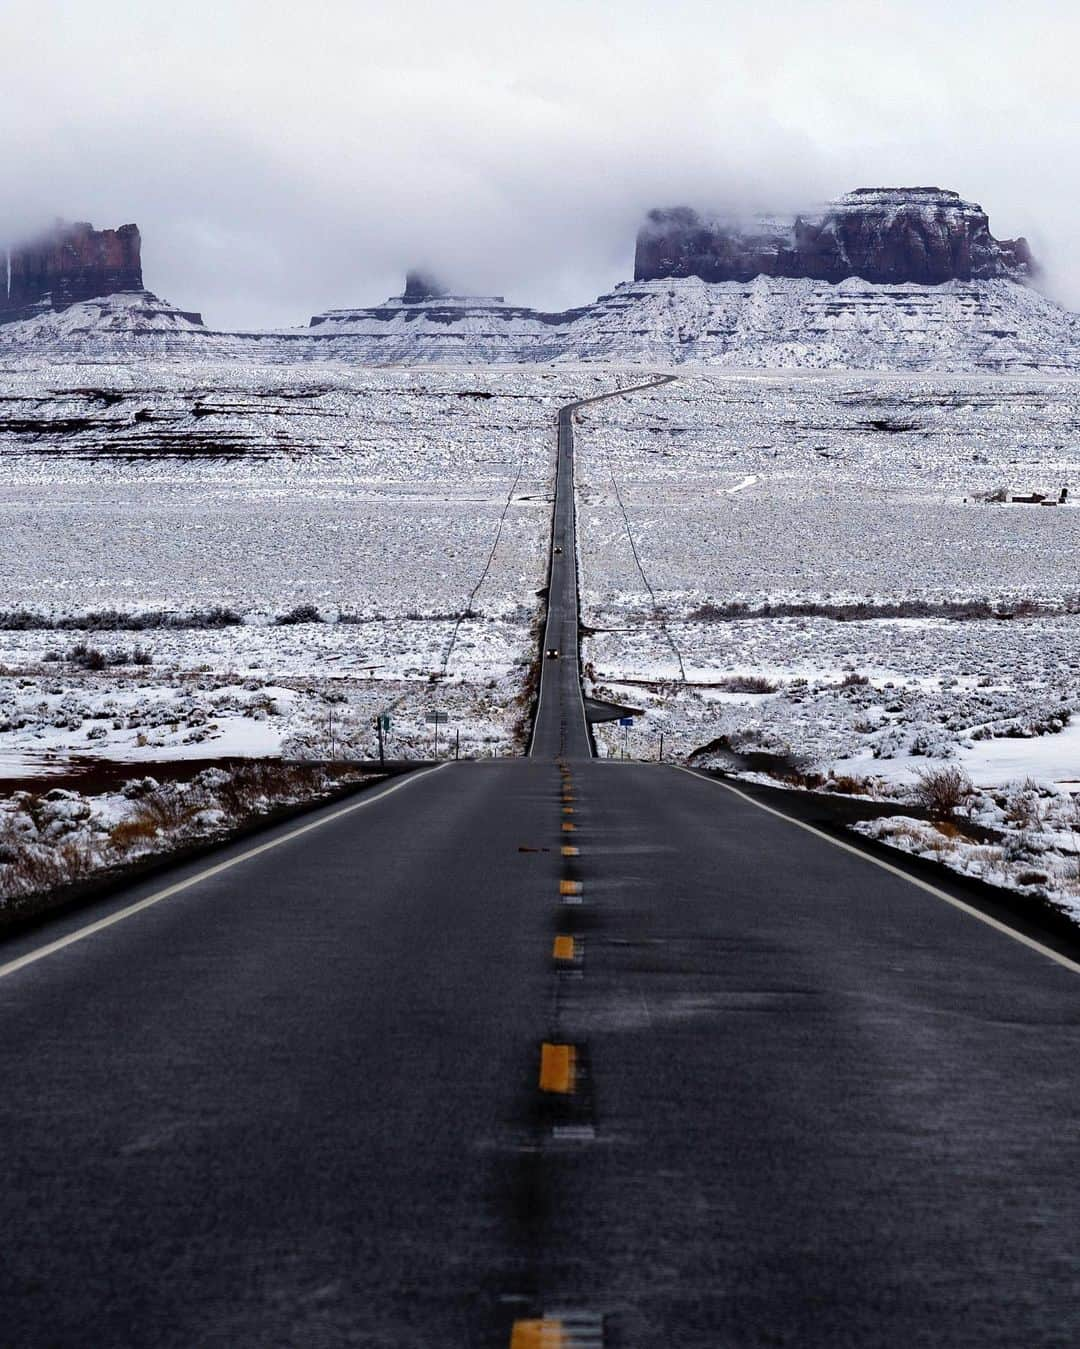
[558, 1068]
[563, 948]
[568, 850]
[546, 1334]
[570, 887]
[567, 810]
[567, 827]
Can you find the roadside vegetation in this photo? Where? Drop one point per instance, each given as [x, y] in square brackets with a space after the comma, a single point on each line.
[55, 840]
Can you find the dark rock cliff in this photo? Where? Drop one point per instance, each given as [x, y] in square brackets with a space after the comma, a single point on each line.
[925, 235]
[421, 286]
[70, 263]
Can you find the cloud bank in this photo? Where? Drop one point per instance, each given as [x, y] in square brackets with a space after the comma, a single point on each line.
[284, 158]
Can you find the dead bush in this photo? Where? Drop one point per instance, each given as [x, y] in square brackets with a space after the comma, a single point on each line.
[166, 811]
[31, 868]
[744, 683]
[1031, 878]
[848, 784]
[1023, 809]
[131, 833]
[942, 791]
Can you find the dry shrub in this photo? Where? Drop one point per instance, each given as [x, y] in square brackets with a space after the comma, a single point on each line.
[989, 859]
[942, 791]
[165, 811]
[907, 830]
[1023, 809]
[255, 786]
[131, 833]
[32, 868]
[1031, 878]
[745, 683]
[848, 784]
[795, 776]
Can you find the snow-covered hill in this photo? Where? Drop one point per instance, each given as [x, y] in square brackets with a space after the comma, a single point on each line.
[788, 323]
[128, 321]
[779, 323]
[798, 323]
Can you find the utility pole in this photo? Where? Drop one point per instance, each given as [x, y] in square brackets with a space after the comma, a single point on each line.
[457, 743]
[661, 746]
[378, 727]
[436, 733]
[331, 732]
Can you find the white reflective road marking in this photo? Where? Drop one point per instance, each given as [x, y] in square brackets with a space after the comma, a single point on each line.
[969, 909]
[51, 948]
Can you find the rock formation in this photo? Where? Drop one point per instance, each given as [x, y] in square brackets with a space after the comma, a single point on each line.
[68, 264]
[925, 235]
[421, 286]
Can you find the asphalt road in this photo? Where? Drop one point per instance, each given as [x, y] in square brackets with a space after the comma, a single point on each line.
[787, 1097]
[559, 726]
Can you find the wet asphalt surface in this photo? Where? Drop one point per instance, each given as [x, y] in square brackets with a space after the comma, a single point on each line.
[299, 1102]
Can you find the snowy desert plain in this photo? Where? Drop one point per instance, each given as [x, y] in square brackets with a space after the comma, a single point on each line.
[824, 578]
[813, 575]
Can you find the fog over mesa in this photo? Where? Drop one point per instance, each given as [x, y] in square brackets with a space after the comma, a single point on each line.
[282, 158]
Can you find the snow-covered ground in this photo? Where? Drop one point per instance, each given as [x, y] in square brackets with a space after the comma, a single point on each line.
[56, 837]
[205, 560]
[212, 561]
[814, 573]
[767, 323]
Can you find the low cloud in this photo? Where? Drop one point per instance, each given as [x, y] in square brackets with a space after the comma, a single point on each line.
[284, 159]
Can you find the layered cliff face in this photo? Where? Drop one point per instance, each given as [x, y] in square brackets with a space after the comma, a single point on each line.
[888, 236]
[69, 264]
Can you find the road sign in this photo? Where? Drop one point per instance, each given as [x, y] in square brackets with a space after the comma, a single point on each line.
[437, 718]
[626, 721]
[384, 721]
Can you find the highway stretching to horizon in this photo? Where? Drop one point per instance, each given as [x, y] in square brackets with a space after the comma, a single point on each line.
[550, 1051]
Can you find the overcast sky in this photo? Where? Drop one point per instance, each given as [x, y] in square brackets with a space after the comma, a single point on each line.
[285, 158]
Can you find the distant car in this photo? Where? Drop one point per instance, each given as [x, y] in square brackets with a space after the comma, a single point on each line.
[552, 653]
[558, 549]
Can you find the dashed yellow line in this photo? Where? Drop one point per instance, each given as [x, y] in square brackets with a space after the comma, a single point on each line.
[563, 948]
[546, 1334]
[558, 1068]
[570, 887]
[567, 810]
[568, 850]
[567, 827]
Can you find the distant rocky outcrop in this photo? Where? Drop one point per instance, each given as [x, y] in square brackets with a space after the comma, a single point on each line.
[421, 286]
[888, 236]
[70, 263]
[424, 300]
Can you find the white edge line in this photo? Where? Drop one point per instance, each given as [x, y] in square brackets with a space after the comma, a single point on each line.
[51, 948]
[969, 909]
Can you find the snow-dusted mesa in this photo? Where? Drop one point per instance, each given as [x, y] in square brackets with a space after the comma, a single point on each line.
[887, 235]
[77, 289]
[67, 264]
[135, 319]
[882, 279]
